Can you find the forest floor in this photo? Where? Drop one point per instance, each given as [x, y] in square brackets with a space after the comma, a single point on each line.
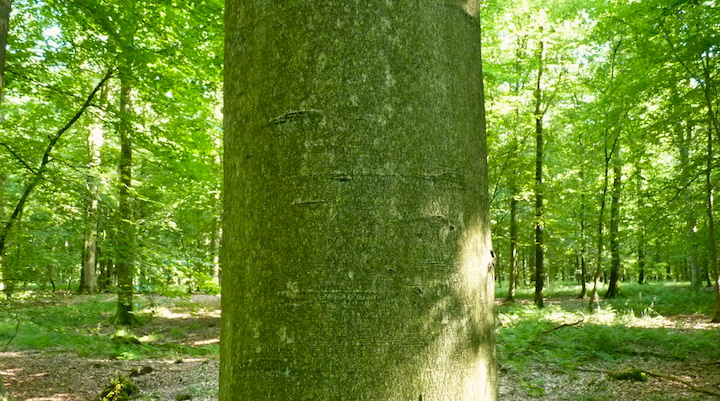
[559, 353]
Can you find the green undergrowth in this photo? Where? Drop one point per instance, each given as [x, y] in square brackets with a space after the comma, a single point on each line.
[658, 320]
[82, 325]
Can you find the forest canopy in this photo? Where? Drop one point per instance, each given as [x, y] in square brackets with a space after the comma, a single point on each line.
[623, 93]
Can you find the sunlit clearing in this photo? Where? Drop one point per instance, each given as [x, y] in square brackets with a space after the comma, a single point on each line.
[169, 314]
[206, 342]
[148, 338]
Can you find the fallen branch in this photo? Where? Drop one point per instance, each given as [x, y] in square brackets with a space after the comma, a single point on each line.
[562, 326]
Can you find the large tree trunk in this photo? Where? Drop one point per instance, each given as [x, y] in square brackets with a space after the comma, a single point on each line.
[125, 252]
[356, 258]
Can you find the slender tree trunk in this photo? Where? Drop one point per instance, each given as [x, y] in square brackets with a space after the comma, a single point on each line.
[539, 196]
[5, 8]
[4, 270]
[513, 268]
[641, 257]
[89, 282]
[356, 260]
[684, 140]
[613, 284]
[594, 302]
[125, 251]
[641, 231]
[583, 225]
[583, 252]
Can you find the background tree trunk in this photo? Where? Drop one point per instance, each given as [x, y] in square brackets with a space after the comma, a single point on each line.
[5, 8]
[684, 137]
[539, 196]
[89, 281]
[613, 284]
[513, 267]
[357, 261]
[713, 125]
[124, 267]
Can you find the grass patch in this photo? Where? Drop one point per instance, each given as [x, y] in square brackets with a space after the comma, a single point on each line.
[565, 335]
[81, 325]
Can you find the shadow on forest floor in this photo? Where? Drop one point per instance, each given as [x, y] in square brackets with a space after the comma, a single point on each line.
[653, 343]
[559, 353]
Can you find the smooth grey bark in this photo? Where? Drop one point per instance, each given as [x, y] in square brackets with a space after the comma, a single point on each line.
[356, 257]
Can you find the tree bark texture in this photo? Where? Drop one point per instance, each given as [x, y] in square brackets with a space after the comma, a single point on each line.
[124, 267]
[356, 258]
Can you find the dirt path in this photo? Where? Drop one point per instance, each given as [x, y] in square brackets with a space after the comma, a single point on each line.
[47, 376]
[43, 376]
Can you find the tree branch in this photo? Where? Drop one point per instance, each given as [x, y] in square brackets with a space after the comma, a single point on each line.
[35, 180]
[12, 152]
